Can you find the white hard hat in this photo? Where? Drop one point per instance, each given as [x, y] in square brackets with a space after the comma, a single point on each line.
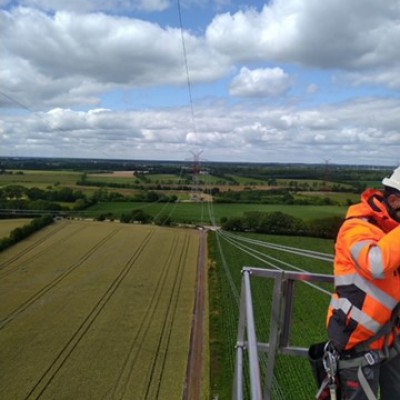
[394, 180]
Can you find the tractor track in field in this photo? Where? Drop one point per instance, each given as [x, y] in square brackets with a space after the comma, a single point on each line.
[36, 296]
[165, 334]
[130, 362]
[43, 383]
[4, 272]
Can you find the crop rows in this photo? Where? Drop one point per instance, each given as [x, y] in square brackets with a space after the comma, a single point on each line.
[97, 311]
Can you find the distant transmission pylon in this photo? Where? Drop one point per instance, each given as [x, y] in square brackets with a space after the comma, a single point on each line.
[325, 187]
[195, 193]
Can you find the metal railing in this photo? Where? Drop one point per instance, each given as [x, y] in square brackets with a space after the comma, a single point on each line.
[280, 327]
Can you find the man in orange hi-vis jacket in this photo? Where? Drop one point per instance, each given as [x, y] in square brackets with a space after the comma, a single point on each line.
[363, 317]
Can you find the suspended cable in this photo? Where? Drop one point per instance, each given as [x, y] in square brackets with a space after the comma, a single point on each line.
[173, 208]
[301, 252]
[186, 66]
[12, 100]
[277, 390]
[261, 257]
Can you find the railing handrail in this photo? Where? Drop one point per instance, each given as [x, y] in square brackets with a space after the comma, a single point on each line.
[281, 318]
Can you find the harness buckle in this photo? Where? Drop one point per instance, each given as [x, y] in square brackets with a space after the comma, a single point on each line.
[372, 357]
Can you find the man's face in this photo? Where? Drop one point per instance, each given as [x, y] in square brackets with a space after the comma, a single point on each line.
[394, 202]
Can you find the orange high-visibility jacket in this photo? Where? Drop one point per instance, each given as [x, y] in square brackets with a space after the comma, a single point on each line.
[366, 269]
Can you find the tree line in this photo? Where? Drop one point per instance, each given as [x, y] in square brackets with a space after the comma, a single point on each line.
[18, 234]
[17, 197]
[283, 224]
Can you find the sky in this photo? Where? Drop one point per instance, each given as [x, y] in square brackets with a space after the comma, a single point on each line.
[288, 81]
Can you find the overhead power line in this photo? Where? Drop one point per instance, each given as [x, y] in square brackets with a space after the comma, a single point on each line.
[186, 66]
[301, 252]
[263, 258]
[14, 101]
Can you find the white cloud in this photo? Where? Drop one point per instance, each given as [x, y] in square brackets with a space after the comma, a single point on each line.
[363, 131]
[387, 77]
[326, 34]
[67, 54]
[268, 82]
[68, 57]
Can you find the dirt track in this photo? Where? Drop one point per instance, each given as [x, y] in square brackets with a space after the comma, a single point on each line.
[195, 362]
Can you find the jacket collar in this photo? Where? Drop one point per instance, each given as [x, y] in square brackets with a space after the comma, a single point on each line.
[373, 208]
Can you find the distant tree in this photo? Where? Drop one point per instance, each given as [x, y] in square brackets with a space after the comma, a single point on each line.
[17, 235]
[100, 195]
[101, 217]
[116, 196]
[65, 194]
[80, 204]
[214, 191]
[14, 191]
[141, 216]
[234, 224]
[35, 193]
[253, 220]
[278, 222]
[325, 227]
[152, 197]
[125, 218]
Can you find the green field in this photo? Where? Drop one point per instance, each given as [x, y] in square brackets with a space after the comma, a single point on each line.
[244, 180]
[199, 212]
[339, 198]
[40, 179]
[164, 178]
[294, 380]
[111, 179]
[97, 311]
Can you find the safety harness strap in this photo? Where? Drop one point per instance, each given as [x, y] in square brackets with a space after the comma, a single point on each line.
[323, 386]
[365, 385]
[371, 358]
[385, 330]
[332, 361]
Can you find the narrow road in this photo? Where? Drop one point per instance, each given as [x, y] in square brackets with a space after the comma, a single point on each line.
[195, 362]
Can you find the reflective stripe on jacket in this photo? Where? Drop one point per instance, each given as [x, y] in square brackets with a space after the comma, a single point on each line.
[366, 268]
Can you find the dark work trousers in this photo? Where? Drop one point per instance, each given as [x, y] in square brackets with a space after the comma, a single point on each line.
[383, 378]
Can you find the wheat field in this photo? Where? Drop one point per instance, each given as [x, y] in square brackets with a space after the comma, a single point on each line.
[92, 310]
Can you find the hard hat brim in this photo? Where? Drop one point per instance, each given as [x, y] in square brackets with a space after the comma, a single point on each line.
[391, 183]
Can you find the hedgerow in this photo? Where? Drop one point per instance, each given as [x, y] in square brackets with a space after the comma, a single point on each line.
[283, 224]
[23, 232]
